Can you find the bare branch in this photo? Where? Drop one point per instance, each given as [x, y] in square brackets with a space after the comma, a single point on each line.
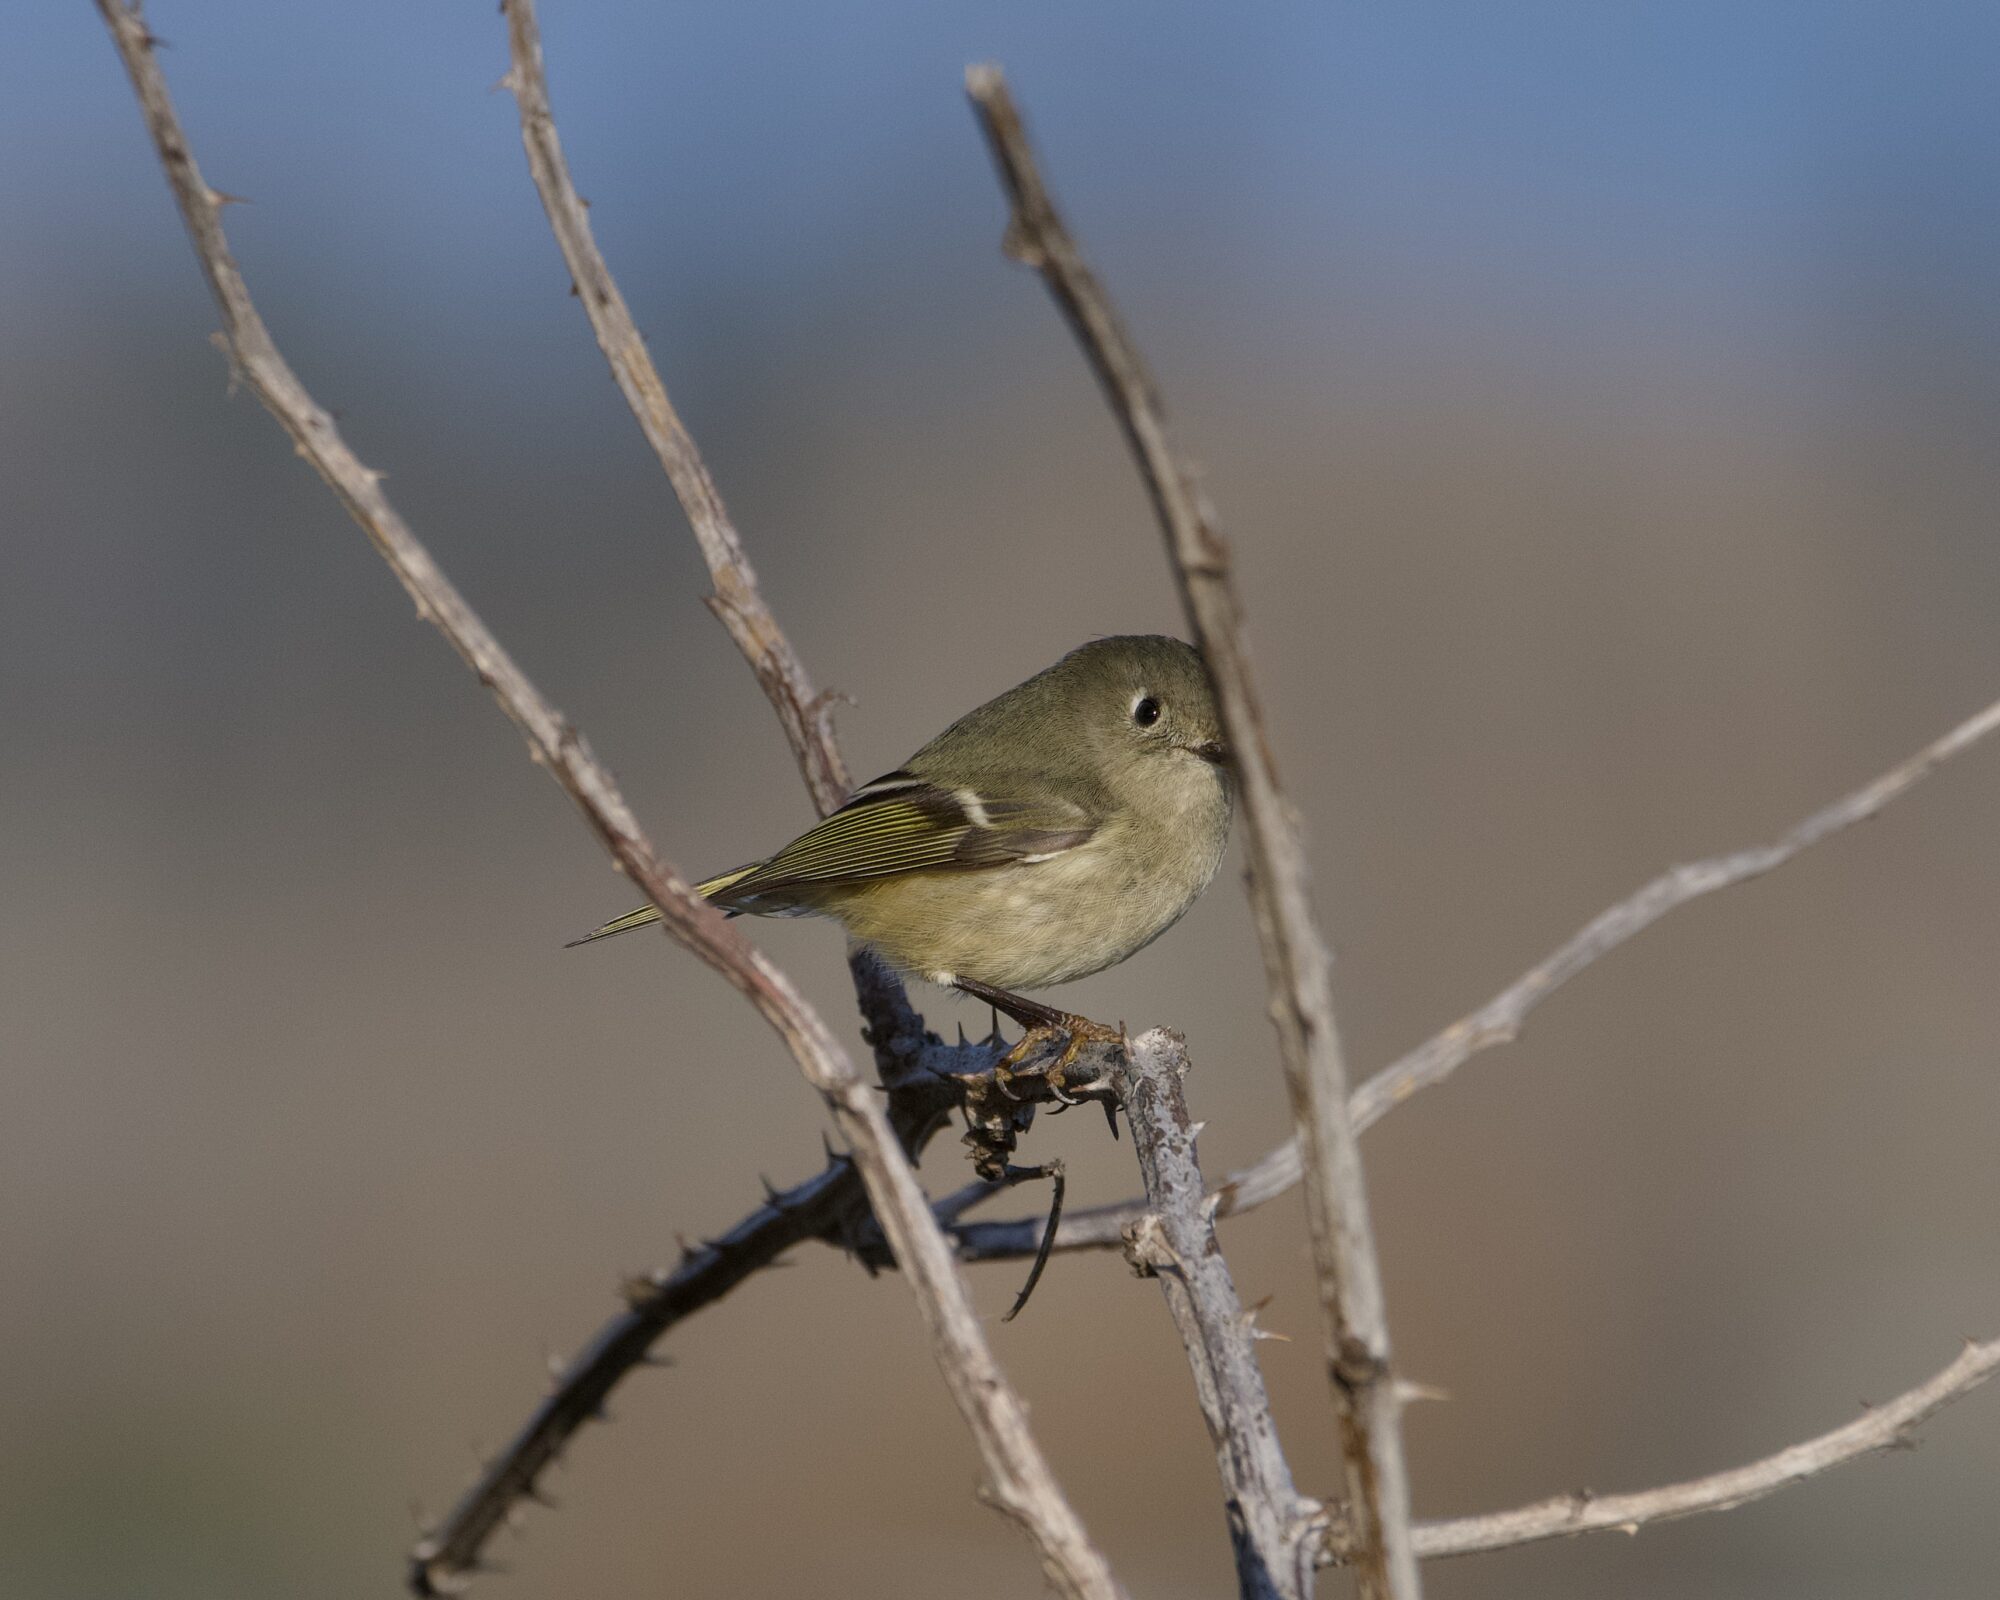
[805, 713]
[1273, 1529]
[1499, 1021]
[1883, 1427]
[1296, 964]
[1022, 1484]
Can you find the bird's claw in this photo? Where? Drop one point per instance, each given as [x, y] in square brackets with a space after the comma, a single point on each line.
[1075, 1033]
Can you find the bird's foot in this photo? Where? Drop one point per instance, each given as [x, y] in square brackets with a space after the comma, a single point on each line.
[1073, 1032]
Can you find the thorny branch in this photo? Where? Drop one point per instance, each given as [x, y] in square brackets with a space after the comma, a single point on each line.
[453, 1548]
[1274, 1530]
[1021, 1482]
[1883, 1427]
[1499, 1021]
[1296, 964]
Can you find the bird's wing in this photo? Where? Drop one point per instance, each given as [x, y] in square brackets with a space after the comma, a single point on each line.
[903, 823]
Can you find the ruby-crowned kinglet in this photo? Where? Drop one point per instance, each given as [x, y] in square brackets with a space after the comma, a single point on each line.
[1046, 836]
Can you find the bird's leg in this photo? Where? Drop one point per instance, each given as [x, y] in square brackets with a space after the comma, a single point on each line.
[1041, 1025]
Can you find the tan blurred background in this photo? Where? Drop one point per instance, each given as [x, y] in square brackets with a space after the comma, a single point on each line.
[1603, 407]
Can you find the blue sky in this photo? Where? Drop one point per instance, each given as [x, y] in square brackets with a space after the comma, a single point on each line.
[1579, 151]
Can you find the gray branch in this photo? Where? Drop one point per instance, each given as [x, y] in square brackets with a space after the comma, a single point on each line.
[1296, 965]
[1883, 1427]
[1274, 1530]
[1022, 1484]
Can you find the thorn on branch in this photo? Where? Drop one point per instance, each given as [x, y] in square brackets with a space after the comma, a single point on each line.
[428, 1580]
[820, 708]
[1146, 1246]
[1018, 244]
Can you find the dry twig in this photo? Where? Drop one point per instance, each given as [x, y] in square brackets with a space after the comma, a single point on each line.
[1022, 1484]
[807, 715]
[1296, 964]
[1499, 1021]
[1883, 1427]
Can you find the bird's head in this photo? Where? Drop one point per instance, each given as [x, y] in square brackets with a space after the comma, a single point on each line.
[1148, 694]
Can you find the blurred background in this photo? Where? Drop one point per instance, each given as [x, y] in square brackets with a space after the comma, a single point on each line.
[1602, 402]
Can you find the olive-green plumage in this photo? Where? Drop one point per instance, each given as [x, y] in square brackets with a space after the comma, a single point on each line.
[1045, 836]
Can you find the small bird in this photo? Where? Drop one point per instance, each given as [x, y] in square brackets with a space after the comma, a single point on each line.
[1051, 833]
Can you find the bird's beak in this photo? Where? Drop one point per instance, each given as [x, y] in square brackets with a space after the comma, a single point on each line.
[1213, 751]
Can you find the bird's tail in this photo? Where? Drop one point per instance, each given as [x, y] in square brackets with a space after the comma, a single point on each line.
[650, 914]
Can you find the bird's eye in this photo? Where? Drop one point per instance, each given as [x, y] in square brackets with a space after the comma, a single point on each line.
[1145, 711]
